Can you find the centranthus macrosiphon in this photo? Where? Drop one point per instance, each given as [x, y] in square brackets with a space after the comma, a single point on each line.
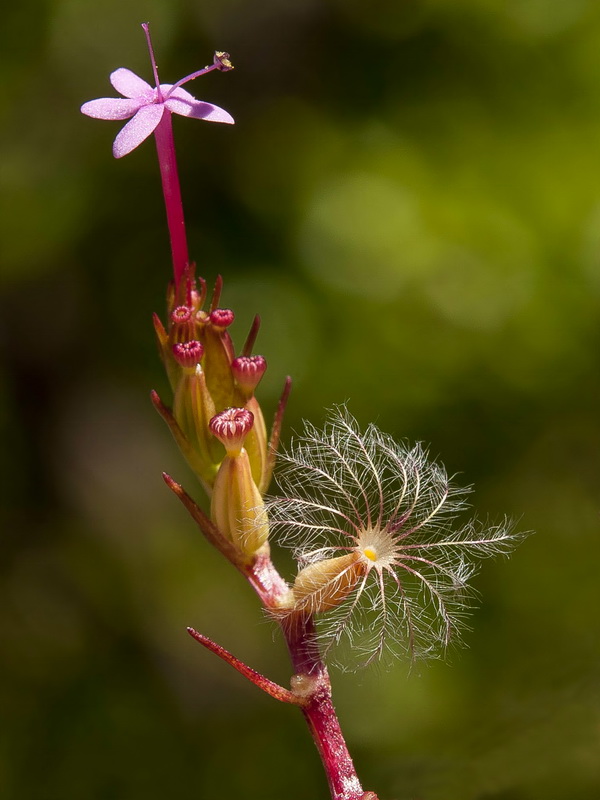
[382, 562]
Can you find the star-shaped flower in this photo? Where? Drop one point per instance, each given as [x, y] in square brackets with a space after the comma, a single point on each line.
[146, 106]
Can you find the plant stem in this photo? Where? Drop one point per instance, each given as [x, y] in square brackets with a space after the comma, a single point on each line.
[311, 687]
[311, 681]
[319, 711]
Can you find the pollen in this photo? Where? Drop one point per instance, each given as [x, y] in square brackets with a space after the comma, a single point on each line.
[370, 553]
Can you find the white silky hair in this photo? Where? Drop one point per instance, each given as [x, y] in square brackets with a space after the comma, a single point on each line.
[344, 490]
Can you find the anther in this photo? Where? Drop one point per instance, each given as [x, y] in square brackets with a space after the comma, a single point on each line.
[221, 61]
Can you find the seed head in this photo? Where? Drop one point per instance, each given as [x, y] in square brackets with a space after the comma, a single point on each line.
[372, 526]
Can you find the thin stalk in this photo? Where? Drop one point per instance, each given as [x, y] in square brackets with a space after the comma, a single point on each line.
[269, 687]
[165, 148]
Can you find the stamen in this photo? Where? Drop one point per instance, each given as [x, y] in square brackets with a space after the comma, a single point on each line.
[220, 61]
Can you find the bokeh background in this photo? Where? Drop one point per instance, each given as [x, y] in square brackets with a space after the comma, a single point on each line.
[411, 200]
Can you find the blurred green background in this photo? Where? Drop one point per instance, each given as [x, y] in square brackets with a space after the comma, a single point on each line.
[411, 200]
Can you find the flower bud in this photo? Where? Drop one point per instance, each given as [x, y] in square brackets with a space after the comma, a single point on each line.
[247, 372]
[219, 354]
[193, 408]
[325, 584]
[237, 508]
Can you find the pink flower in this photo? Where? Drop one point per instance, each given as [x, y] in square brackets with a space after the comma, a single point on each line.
[147, 106]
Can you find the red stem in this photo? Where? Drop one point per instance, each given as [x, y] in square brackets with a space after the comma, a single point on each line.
[311, 687]
[165, 148]
[312, 681]
[319, 711]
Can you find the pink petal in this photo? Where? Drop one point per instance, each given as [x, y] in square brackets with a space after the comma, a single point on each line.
[110, 108]
[131, 85]
[182, 102]
[137, 129]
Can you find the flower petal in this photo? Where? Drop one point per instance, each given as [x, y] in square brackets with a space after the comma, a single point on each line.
[111, 108]
[182, 102]
[137, 129]
[131, 85]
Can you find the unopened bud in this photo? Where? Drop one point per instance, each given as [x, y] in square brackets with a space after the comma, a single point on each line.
[325, 584]
[193, 407]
